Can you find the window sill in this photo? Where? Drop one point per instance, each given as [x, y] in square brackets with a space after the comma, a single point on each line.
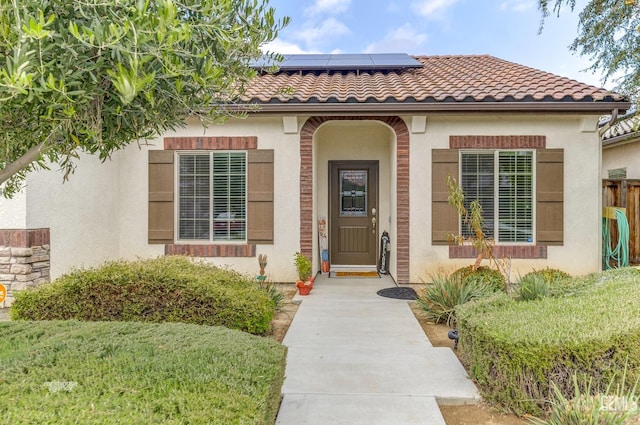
[501, 251]
[209, 250]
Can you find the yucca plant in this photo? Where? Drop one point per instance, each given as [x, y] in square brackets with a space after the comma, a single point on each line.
[440, 298]
[273, 292]
[619, 407]
[533, 287]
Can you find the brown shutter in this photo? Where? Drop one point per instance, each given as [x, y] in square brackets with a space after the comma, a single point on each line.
[161, 210]
[260, 193]
[549, 196]
[444, 217]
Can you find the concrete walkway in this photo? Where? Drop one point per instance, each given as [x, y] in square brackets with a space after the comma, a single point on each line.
[358, 358]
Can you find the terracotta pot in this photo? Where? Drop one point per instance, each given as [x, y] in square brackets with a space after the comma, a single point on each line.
[304, 289]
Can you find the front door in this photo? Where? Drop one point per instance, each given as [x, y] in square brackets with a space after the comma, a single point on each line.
[353, 209]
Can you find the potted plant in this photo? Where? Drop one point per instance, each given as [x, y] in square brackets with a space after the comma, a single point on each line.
[303, 266]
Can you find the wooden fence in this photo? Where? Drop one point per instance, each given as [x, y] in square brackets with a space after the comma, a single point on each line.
[625, 194]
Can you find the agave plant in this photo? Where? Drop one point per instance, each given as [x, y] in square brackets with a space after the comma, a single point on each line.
[440, 298]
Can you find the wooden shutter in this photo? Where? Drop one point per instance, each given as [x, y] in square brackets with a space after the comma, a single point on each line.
[444, 217]
[549, 196]
[161, 209]
[260, 196]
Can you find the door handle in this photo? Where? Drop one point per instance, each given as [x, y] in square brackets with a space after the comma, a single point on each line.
[373, 223]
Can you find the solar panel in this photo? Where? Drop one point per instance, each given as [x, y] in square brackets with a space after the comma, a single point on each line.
[342, 62]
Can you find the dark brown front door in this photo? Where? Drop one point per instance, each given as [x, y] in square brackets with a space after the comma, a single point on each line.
[353, 210]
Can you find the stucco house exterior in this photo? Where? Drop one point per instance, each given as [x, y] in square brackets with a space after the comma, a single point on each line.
[364, 146]
[620, 149]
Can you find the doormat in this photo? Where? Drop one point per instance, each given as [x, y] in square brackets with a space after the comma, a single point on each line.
[399, 293]
[354, 274]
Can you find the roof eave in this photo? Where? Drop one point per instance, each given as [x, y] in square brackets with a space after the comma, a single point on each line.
[418, 107]
[621, 139]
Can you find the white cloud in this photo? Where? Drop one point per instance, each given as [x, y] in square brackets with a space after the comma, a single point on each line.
[404, 39]
[518, 5]
[313, 36]
[331, 7]
[432, 8]
[286, 48]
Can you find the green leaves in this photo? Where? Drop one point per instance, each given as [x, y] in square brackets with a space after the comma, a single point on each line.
[36, 28]
[16, 76]
[97, 75]
[128, 83]
[608, 35]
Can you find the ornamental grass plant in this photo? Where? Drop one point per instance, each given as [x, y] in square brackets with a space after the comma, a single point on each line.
[441, 298]
[615, 406]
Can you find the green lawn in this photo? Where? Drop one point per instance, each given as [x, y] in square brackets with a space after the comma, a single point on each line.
[65, 372]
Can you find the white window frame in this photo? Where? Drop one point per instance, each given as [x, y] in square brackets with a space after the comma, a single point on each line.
[496, 205]
[211, 240]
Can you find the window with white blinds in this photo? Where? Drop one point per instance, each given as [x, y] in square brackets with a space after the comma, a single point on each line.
[503, 183]
[212, 196]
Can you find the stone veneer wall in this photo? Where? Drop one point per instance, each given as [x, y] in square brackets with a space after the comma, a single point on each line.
[24, 260]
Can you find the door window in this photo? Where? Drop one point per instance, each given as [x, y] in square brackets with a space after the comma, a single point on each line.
[353, 193]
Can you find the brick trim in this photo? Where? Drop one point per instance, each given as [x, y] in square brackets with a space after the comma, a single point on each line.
[195, 250]
[402, 188]
[497, 142]
[24, 238]
[501, 251]
[211, 143]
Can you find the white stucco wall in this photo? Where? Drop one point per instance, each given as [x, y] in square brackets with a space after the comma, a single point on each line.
[82, 213]
[620, 156]
[13, 212]
[133, 195]
[101, 213]
[581, 250]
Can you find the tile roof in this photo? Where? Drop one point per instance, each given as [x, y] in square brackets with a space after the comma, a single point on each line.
[443, 80]
[624, 129]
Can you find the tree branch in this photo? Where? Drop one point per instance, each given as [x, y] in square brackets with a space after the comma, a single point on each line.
[21, 163]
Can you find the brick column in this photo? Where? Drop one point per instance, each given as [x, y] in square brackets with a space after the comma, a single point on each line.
[401, 245]
[24, 260]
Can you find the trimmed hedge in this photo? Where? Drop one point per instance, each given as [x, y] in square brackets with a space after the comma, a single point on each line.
[70, 372]
[516, 351]
[166, 289]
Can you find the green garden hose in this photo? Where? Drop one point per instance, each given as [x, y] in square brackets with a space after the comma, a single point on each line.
[619, 255]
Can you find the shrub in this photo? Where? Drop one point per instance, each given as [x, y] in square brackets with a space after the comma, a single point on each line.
[166, 289]
[303, 266]
[558, 281]
[516, 351]
[137, 373]
[550, 275]
[532, 287]
[441, 298]
[483, 275]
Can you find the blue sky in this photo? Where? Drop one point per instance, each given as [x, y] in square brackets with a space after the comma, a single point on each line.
[507, 29]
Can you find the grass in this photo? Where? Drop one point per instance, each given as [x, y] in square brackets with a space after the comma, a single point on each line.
[137, 373]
